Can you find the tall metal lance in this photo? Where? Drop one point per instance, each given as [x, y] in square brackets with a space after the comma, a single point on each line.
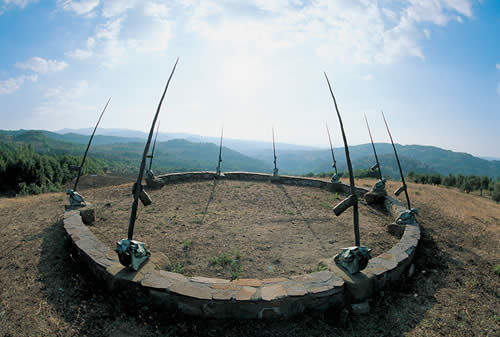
[88, 147]
[138, 184]
[275, 171]
[153, 150]
[334, 162]
[218, 171]
[404, 187]
[374, 151]
[352, 200]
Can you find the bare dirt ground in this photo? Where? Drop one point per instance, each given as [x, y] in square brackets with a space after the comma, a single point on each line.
[45, 292]
[231, 229]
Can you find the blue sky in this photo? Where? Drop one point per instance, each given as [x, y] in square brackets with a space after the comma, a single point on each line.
[433, 66]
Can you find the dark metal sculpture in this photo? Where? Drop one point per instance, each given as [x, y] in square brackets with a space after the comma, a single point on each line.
[275, 171]
[150, 174]
[133, 253]
[409, 215]
[335, 176]
[403, 187]
[218, 171]
[353, 259]
[377, 165]
[377, 193]
[75, 199]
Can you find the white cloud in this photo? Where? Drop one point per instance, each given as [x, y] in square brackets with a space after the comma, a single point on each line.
[12, 84]
[53, 92]
[79, 7]
[113, 8]
[356, 31]
[367, 77]
[90, 42]
[427, 34]
[61, 100]
[109, 30]
[156, 10]
[8, 4]
[42, 66]
[498, 66]
[19, 3]
[80, 54]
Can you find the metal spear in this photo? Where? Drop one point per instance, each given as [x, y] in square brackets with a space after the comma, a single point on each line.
[352, 200]
[138, 184]
[334, 162]
[153, 150]
[404, 187]
[88, 146]
[220, 152]
[374, 151]
[275, 172]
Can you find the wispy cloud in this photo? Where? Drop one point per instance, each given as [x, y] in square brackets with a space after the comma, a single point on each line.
[498, 66]
[42, 66]
[80, 54]
[13, 84]
[79, 7]
[352, 32]
[7, 4]
[367, 77]
[114, 8]
[59, 100]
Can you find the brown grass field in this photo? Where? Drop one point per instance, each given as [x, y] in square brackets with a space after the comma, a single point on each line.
[267, 230]
[455, 292]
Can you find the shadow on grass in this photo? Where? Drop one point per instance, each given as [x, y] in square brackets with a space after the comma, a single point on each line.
[209, 201]
[299, 212]
[90, 310]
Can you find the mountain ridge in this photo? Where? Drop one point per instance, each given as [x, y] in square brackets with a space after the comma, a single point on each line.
[186, 154]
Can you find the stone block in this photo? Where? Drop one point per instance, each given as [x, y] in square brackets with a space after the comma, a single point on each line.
[250, 282]
[272, 292]
[396, 230]
[88, 215]
[245, 293]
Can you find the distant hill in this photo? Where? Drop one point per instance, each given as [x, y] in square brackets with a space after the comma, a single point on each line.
[125, 156]
[247, 147]
[417, 158]
[124, 153]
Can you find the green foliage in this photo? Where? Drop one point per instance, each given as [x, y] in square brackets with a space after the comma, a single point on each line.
[23, 171]
[464, 183]
[496, 269]
[186, 245]
[176, 268]
[496, 192]
[321, 266]
[229, 259]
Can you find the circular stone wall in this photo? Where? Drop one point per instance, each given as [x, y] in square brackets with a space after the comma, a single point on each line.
[245, 298]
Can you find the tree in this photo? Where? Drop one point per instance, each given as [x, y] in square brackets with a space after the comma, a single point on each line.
[485, 183]
[450, 180]
[496, 191]
[436, 179]
[466, 186]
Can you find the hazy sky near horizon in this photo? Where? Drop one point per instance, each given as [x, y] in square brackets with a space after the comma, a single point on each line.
[433, 66]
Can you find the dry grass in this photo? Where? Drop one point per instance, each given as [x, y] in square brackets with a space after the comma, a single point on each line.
[44, 292]
[275, 230]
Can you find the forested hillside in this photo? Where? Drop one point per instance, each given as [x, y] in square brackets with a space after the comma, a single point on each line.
[122, 155]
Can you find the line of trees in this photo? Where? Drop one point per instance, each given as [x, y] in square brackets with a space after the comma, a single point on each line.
[23, 171]
[464, 183]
